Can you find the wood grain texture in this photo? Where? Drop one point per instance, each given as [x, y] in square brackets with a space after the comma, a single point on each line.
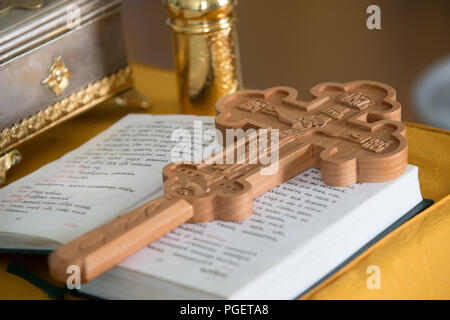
[102, 248]
[353, 129]
[350, 131]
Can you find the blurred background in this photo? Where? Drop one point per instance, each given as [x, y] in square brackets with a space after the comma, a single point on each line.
[300, 43]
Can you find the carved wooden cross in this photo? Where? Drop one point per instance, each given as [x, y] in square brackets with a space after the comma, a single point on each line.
[351, 132]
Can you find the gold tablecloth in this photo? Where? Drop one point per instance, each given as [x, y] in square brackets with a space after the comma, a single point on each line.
[414, 261]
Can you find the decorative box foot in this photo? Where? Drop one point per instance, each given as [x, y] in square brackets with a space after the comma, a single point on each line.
[7, 160]
[133, 98]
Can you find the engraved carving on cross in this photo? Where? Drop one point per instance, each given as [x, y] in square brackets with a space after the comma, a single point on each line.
[350, 131]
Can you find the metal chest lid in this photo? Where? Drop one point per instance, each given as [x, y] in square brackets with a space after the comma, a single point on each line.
[23, 30]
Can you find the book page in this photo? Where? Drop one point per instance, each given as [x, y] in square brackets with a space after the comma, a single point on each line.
[107, 176]
[293, 219]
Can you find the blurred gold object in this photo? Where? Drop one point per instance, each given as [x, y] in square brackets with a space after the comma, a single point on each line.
[206, 52]
[7, 160]
[76, 103]
[58, 78]
[6, 5]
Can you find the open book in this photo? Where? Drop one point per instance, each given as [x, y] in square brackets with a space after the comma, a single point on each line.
[299, 233]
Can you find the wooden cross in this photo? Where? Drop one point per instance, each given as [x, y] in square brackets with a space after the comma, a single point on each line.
[351, 132]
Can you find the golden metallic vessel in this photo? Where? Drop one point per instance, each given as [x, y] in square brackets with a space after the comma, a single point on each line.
[206, 52]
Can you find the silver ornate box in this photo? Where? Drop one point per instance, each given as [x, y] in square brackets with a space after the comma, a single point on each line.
[58, 58]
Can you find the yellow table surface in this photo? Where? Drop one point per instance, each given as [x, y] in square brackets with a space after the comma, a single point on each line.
[414, 261]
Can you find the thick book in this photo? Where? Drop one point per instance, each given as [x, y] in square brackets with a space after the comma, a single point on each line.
[300, 232]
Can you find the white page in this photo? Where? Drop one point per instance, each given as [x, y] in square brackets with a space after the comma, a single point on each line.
[222, 257]
[105, 177]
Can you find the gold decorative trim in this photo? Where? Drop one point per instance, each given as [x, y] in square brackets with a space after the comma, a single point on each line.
[58, 76]
[7, 5]
[7, 160]
[76, 103]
